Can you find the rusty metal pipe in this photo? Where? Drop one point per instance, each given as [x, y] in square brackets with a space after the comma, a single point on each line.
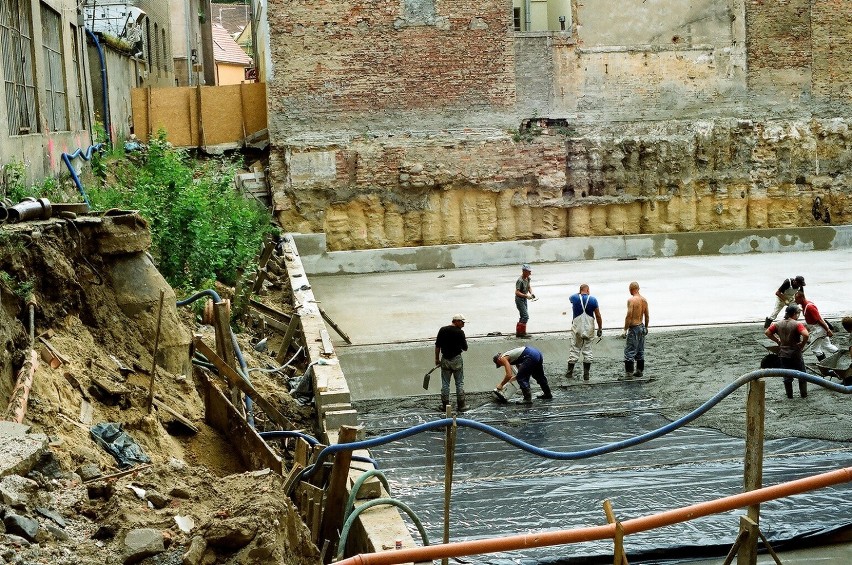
[30, 210]
[593, 533]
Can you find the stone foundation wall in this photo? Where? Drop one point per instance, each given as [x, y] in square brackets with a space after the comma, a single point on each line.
[638, 179]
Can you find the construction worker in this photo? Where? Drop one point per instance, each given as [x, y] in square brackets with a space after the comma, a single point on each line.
[449, 345]
[820, 331]
[784, 296]
[523, 293]
[635, 329]
[530, 363]
[791, 335]
[583, 330]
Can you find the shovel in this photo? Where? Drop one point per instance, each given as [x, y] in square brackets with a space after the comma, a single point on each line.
[426, 377]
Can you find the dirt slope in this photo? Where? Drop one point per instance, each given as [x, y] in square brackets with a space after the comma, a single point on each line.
[96, 294]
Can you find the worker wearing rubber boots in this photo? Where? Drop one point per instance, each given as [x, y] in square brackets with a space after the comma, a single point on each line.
[523, 293]
[635, 329]
[791, 335]
[530, 363]
[449, 345]
[583, 330]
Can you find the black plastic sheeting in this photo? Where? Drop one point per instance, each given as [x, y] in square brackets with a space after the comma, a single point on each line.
[499, 490]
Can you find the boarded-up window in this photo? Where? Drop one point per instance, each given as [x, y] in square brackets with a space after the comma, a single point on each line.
[16, 44]
[56, 86]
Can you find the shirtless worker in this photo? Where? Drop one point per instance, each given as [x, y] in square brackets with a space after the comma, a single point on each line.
[635, 330]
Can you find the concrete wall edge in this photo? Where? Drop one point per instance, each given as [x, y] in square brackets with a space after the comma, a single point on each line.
[316, 260]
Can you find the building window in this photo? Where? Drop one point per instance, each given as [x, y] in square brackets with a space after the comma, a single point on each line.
[75, 61]
[165, 51]
[16, 45]
[156, 48]
[516, 18]
[55, 86]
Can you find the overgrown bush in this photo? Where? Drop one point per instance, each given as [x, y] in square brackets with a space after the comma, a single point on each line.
[202, 229]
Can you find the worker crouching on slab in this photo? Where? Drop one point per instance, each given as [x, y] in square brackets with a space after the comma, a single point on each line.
[530, 363]
[449, 345]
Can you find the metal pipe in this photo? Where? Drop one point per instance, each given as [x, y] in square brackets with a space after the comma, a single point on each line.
[30, 210]
[594, 533]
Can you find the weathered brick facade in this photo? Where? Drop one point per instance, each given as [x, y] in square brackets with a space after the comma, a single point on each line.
[735, 115]
[343, 61]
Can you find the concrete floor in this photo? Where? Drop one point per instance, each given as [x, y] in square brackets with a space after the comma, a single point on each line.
[392, 318]
[396, 315]
[411, 306]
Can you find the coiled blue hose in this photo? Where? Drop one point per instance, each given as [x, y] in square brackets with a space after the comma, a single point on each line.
[574, 455]
[243, 368]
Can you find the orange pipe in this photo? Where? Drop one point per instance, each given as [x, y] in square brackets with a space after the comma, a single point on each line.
[636, 525]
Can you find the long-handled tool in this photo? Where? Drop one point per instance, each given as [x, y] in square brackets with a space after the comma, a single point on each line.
[426, 377]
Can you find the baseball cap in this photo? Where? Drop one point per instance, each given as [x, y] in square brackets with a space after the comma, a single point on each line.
[526, 267]
[801, 280]
[791, 310]
[459, 318]
[495, 359]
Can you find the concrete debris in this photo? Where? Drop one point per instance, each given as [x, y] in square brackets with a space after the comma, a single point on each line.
[22, 526]
[19, 454]
[232, 533]
[141, 543]
[196, 550]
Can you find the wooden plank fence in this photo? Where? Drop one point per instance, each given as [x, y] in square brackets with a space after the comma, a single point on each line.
[223, 117]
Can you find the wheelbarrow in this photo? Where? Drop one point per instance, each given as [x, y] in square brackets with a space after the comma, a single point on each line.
[838, 365]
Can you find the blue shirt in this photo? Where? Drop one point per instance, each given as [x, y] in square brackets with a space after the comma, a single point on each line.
[591, 304]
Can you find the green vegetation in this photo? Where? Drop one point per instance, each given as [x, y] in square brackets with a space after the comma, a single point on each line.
[23, 289]
[202, 228]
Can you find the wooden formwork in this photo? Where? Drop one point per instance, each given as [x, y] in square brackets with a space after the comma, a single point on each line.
[201, 116]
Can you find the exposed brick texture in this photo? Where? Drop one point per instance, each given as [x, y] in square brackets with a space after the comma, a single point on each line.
[336, 58]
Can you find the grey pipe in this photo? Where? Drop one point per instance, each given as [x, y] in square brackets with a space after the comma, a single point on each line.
[30, 210]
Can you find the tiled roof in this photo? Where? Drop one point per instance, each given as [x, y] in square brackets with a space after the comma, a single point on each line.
[226, 50]
[233, 17]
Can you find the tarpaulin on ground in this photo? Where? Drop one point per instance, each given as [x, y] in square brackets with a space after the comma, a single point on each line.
[499, 490]
[119, 444]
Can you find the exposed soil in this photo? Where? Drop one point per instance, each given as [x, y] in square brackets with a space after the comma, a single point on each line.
[96, 301]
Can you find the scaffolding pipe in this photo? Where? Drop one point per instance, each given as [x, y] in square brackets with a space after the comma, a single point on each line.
[594, 533]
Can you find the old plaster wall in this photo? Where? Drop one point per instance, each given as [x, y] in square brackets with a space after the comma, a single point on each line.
[718, 115]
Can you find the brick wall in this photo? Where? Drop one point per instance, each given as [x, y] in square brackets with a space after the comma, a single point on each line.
[832, 49]
[778, 39]
[341, 60]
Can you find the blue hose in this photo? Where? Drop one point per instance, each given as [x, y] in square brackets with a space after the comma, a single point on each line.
[312, 441]
[574, 455]
[87, 155]
[243, 368]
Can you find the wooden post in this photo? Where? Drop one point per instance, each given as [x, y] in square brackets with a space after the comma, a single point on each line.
[753, 465]
[335, 498]
[747, 552]
[156, 346]
[261, 267]
[224, 346]
[619, 557]
[448, 477]
[288, 339]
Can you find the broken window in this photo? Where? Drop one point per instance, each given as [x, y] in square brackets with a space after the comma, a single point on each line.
[56, 85]
[16, 44]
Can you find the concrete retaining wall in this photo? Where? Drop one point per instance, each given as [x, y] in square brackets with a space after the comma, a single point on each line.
[317, 260]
